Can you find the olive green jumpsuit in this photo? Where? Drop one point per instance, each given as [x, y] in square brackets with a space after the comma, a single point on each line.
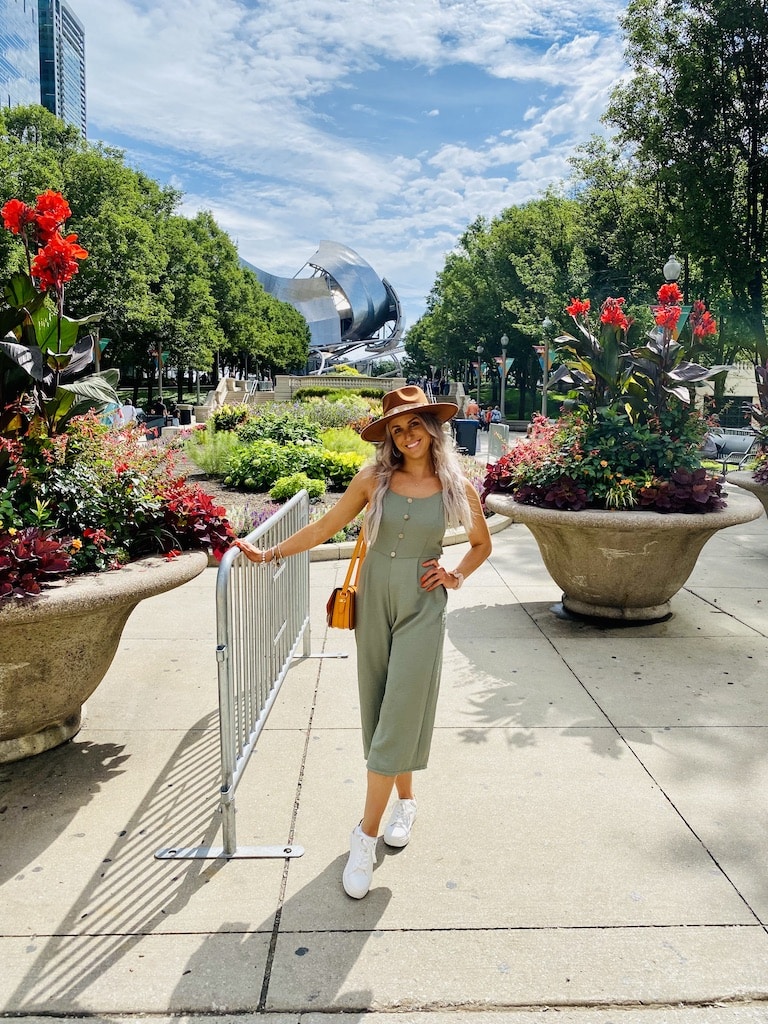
[399, 630]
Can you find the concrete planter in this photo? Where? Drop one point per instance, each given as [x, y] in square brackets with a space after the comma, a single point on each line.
[622, 565]
[744, 479]
[56, 649]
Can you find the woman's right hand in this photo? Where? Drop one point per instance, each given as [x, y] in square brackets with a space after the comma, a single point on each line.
[254, 554]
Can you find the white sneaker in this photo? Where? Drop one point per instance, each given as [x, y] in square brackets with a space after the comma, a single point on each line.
[398, 831]
[358, 874]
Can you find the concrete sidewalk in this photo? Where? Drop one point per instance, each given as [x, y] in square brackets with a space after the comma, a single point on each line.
[591, 836]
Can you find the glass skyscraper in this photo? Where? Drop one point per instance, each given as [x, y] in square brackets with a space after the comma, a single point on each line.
[62, 62]
[42, 58]
[19, 53]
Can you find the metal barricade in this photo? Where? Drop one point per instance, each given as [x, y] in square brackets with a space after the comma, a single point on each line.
[498, 440]
[262, 615]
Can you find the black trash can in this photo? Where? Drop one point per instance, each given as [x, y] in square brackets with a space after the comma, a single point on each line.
[466, 435]
[185, 415]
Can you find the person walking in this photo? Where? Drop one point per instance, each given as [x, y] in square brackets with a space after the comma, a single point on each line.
[413, 489]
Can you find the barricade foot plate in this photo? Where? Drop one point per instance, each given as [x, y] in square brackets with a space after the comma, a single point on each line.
[219, 853]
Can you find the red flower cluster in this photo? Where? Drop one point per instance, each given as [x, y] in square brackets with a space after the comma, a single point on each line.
[56, 259]
[668, 313]
[578, 307]
[16, 215]
[669, 294]
[667, 316]
[56, 262]
[612, 314]
[702, 321]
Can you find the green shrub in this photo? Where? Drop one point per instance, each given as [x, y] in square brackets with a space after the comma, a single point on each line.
[336, 394]
[345, 439]
[282, 423]
[211, 450]
[256, 466]
[228, 417]
[348, 411]
[340, 467]
[286, 486]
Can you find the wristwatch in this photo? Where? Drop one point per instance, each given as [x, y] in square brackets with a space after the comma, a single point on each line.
[460, 577]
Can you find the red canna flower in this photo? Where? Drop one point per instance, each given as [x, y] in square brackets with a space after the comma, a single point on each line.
[578, 307]
[667, 316]
[51, 210]
[612, 314]
[705, 325]
[16, 215]
[669, 294]
[56, 262]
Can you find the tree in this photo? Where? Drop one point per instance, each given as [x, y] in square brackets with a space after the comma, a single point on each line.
[696, 113]
[257, 330]
[505, 277]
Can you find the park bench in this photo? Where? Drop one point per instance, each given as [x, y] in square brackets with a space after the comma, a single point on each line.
[735, 447]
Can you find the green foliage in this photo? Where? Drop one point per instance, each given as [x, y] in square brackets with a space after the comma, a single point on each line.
[344, 370]
[347, 410]
[692, 114]
[212, 450]
[282, 423]
[609, 462]
[286, 486]
[340, 467]
[256, 466]
[228, 417]
[345, 439]
[349, 532]
[336, 394]
[503, 278]
[107, 497]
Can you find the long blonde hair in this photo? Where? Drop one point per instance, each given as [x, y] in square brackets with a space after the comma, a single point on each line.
[447, 467]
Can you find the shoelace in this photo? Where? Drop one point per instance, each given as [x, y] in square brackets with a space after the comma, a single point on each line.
[363, 857]
[402, 817]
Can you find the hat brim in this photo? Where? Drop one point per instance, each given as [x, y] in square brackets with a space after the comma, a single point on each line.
[377, 430]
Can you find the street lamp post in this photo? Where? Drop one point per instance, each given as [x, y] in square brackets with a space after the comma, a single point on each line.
[479, 351]
[672, 269]
[546, 324]
[504, 343]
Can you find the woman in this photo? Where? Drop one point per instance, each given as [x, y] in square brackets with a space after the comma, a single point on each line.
[413, 489]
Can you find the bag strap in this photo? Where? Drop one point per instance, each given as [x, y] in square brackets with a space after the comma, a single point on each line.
[356, 561]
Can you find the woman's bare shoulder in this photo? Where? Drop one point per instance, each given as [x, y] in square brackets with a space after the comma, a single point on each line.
[364, 481]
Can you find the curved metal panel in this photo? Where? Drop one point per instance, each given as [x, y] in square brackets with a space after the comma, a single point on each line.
[363, 288]
[312, 298]
[345, 302]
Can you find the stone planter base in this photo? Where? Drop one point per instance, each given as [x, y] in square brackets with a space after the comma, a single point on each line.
[622, 565]
[56, 649]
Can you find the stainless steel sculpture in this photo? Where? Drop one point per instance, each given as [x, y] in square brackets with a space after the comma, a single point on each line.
[344, 301]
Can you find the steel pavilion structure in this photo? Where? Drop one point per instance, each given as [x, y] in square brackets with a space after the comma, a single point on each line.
[344, 301]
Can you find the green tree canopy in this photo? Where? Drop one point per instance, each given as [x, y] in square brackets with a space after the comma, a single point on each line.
[695, 112]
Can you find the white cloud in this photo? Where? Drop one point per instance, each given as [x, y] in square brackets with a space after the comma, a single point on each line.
[224, 97]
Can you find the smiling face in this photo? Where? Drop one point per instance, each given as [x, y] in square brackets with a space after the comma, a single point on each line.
[410, 435]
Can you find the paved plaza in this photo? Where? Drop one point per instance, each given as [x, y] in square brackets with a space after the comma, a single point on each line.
[590, 847]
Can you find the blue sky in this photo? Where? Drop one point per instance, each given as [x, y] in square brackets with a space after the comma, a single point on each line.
[388, 125]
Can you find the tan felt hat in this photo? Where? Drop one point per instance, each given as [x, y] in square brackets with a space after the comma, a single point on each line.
[404, 400]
